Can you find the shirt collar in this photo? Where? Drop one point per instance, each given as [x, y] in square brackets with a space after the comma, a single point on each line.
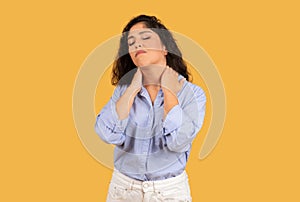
[143, 90]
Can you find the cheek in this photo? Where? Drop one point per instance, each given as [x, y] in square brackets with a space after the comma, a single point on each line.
[132, 57]
[130, 49]
[131, 54]
[153, 44]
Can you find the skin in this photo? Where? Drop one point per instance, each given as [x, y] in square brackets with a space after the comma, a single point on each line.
[153, 58]
[142, 38]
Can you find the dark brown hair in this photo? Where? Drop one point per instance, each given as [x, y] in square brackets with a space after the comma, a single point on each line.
[123, 63]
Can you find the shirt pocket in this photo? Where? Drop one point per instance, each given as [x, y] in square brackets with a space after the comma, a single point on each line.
[140, 115]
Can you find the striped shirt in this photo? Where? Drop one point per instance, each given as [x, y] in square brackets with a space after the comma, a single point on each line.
[148, 147]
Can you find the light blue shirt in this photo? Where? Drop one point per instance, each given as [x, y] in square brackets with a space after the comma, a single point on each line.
[148, 147]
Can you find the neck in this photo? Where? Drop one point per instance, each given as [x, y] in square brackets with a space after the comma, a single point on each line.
[152, 74]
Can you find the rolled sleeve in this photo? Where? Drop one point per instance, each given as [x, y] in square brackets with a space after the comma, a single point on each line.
[120, 125]
[184, 121]
[108, 126]
[173, 120]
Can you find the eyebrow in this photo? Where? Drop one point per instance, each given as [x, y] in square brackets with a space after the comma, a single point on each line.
[140, 33]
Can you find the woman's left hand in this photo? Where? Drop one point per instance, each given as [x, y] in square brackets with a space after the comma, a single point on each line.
[169, 81]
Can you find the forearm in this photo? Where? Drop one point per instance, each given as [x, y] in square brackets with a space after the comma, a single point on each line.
[184, 120]
[124, 104]
[179, 139]
[170, 100]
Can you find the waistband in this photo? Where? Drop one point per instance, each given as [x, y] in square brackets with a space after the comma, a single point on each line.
[148, 185]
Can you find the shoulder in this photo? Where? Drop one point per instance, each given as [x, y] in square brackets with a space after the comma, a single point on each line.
[190, 93]
[198, 91]
[189, 86]
[118, 91]
[120, 88]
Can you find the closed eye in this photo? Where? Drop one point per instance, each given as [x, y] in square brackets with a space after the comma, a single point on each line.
[130, 44]
[147, 37]
[144, 35]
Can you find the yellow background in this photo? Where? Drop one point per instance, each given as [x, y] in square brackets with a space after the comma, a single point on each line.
[255, 45]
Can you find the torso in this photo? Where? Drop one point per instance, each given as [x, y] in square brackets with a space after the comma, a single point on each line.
[152, 90]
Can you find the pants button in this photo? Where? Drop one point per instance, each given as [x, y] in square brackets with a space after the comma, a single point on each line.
[145, 185]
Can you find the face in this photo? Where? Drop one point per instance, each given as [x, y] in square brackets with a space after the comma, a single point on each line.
[145, 47]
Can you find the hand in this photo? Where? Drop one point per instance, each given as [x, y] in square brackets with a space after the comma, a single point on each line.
[124, 103]
[169, 81]
[136, 83]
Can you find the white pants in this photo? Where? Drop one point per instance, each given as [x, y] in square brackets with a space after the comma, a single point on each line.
[126, 189]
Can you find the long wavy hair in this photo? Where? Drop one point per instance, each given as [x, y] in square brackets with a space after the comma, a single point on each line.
[123, 63]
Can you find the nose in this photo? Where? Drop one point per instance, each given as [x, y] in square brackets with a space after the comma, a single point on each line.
[138, 44]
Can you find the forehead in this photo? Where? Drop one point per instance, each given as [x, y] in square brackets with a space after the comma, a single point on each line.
[137, 28]
[139, 25]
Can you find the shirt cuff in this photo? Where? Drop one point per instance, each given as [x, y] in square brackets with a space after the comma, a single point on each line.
[173, 120]
[120, 124]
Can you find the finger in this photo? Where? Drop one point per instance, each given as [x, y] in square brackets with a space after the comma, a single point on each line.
[138, 72]
[168, 70]
[165, 69]
[173, 71]
[181, 82]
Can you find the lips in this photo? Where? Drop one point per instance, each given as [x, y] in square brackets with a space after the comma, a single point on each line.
[139, 52]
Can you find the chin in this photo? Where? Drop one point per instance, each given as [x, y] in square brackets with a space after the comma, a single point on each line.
[143, 64]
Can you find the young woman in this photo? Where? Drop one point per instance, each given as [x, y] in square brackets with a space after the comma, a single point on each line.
[152, 117]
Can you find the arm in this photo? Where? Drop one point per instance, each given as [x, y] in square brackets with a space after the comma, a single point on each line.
[123, 105]
[170, 87]
[170, 101]
[181, 121]
[108, 126]
[184, 120]
[112, 120]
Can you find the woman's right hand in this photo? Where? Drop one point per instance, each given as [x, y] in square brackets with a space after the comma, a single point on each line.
[124, 104]
[136, 83]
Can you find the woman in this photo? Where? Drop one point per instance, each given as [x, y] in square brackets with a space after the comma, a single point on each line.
[152, 117]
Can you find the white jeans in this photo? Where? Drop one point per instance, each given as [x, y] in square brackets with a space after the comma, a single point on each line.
[126, 189]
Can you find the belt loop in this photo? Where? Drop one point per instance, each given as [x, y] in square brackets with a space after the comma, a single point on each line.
[154, 186]
[131, 184]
